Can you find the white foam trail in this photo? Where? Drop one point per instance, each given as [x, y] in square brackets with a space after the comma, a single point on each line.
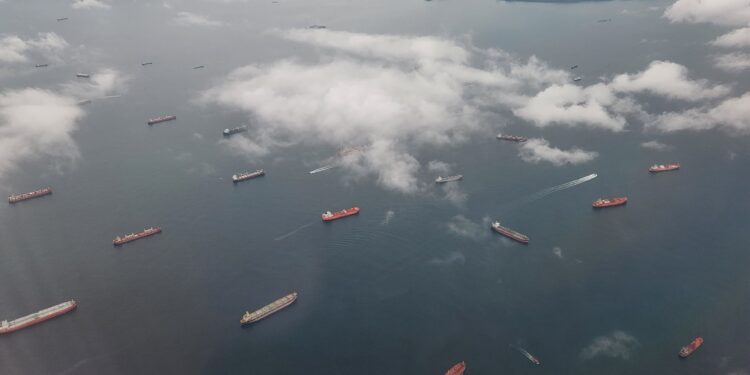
[283, 236]
[110, 96]
[321, 169]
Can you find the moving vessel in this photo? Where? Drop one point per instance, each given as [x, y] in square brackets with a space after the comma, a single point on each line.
[512, 138]
[330, 216]
[690, 348]
[442, 180]
[273, 307]
[242, 176]
[663, 167]
[239, 129]
[609, 202]
[135, 236]
[30, 195]
[529, 356]
[37, 317]
[510, 233]
[457, 369]
[161, 119]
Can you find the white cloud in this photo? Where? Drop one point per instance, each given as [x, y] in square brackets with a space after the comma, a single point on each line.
[735, 38]
[91, 4]
[464, 227]
[192, 19]
[616, 345]
[733, 62]
[732, 114]
[722, 12]
[557, 251]
[453, 257]
[437, 166]
[536, 150]
[101, 83]
[656, 146]
[14, 49]
[670, 80]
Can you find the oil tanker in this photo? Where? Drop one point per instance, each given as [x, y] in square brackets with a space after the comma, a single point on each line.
[457, 369]
[510, 233]
[30, 195]
[157, 120]
[37, 317]
[271, 308]
[330, 216]
[663, 167]
[690, 348]
[135, 236]
[242, 176]
[609, 202]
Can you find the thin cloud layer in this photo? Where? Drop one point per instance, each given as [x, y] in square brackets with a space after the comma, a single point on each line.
[618, 344]
[731, 114]
[669, 80]
[91, 4]
[192, 19]
[734, 39]
[538, 150]
[656, 146]
[721, 12]
[733, 62]
[14, 49]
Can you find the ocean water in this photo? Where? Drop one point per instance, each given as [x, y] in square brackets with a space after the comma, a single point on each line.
[414, 283]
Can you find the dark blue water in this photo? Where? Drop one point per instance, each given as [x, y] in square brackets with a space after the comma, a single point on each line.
[394, 289]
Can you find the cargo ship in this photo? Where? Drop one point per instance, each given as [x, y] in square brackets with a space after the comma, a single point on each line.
[512, 138]
[457, 369]
[83, 75]
[146, 63]
[265, 311]
[29, 195]
[135, 236]
[37, 317]
[442, 180]
[239, 129]
[161, 119]
[609, 202]
[330, 216]
[690, 348]
[247, 175]
[510, 233]
[41, 65]
[663, 167]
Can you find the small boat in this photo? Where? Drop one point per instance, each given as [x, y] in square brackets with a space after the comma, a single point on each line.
[690, 348]
[512, 138]
[321, 169]
[265, 311]
[330, 216]
[83, 75]
[663, 167]
[239, 129]
[529, 356]
[510, 233]
[573, 67]
[442, 180]
[577, 79]
[609, 202]
[457, 369]
[237, 177]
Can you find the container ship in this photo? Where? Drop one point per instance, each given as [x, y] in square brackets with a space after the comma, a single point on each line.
[442, 180]
[690, 348]
[161, 119]
[271, 308]
[510, 233]
[512, 138]
[457, 369]
[29, 195]
[239, 129]
[135, 236]
[37, 317]
[247, 175]
[609, 202]
[663, 167]
[330, 216]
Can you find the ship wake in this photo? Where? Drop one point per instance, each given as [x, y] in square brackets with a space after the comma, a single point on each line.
[543, 193]
[284, 236]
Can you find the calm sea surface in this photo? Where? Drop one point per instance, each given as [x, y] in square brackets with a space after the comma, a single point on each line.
[392, 290]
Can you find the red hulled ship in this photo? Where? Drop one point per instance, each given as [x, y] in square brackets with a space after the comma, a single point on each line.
[329, 216]
[135, 236]
[690, 348]
[30, 195]
[510, 233]
[609, 202]
[663, 167]
[457, 369]
[37, 317]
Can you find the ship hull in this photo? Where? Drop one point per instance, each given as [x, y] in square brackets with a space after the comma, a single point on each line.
[291, 299]
[341, 214]
[138, 236]
[160, 120]
[240, 178]
[39, 320]
[26, 196]
[691, 348]
[611, 202]
[457, 369]
[664, 168]
[513, 236]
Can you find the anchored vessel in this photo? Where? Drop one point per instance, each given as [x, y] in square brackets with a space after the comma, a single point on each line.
[609, 202]
[247, 175]
[690, 348]
[161, 119]
[146, 63]
[37, 317]
[512, 138]
[135, 236]
[275, 306]
[329, 216]
[83, 75]
[199, 67]
[663, 167]
[510, 233]
[239, 129]
[29, 195]
[441, 179]
[457, 369]
[41, 65]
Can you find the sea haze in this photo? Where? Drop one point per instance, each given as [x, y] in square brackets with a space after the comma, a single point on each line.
[391, 94]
